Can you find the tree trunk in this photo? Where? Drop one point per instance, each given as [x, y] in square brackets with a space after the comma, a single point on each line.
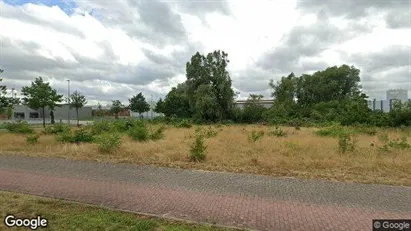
[78, 122]
[44, 118]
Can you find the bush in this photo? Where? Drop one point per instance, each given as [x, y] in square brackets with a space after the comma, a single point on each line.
[184, 124]
[82, 136]
[65, 137]
[139, 133]
[255, 136]
[346, 143]
[210, 132]
[108, 142]
[197, 150]
[334, 131]
[399, 143]
[157, 134]
[101, 127]
[33, 138]
[366, 130]
[21, 127]
[56, 129]
[277, 132]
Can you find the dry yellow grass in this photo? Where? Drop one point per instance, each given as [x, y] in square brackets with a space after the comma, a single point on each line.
[300, 154]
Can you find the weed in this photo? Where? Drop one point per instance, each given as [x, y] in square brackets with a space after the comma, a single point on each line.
[254, 136]
[82, 136]
[399, 143]
[56, 129]
[184, 124]
[21, 127]
[65, 137]
[139, 133]
[157, 134]
[108, 142]
[366, 130]
[210, 132]
[333, 131]
[101, 127]
[277, 132]
[346, 143]
[198, 148]
[32, 139]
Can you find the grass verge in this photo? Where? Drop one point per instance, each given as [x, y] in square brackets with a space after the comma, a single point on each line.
[62, 215]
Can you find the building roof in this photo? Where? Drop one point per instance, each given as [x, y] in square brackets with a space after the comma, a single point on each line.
[261, 101]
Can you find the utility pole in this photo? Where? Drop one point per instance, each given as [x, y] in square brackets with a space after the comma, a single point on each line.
[68, 101]
[151, 106]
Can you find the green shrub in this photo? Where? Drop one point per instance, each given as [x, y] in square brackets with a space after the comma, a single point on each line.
[33, 138]
[184, 124]
[101, 127]
[277, 132]
[198, 148]
[346, 143]
[82, 135]
[139, 133]
[108, 142]
[399, 143]
[366, 130]
[210, 132]
[57, 129]
[157, 134]
[333, 131]
[21, 127]
[65, 137]
[122, 125]
[254, 136]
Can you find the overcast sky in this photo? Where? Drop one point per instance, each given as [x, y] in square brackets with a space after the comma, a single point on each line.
[112, 49]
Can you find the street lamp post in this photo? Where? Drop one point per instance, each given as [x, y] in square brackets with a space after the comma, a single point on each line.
[151, 106]
[68, 101]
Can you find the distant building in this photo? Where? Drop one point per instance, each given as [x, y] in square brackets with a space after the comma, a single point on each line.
[397, 94]
[63, 111]
[392, 96]
[265, 103]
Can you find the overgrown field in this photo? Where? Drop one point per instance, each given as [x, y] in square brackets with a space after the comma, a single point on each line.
[63, 215]
[359, 154]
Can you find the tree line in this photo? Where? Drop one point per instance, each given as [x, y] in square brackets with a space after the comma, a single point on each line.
[330, 95]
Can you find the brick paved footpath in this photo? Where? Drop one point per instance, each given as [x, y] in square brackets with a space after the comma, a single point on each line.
[240, 200]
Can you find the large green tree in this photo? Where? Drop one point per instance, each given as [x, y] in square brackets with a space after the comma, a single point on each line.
[253, 110]
[176, 103]
[4, 100]
[116, 107]
[77, 101]
[209, 75]
[40, 95]
[139, 104]
[159, 108]
[333, 94]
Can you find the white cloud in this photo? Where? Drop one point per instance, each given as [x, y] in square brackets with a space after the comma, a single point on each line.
[118, 49]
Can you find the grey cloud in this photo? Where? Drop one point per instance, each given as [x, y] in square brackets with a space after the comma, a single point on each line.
[149, 21]
[12, 12]
[302, 41]
[200, 8]
[350, 8]
[20, 62]
[399, 19]
[391, 57]
[398, 13]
